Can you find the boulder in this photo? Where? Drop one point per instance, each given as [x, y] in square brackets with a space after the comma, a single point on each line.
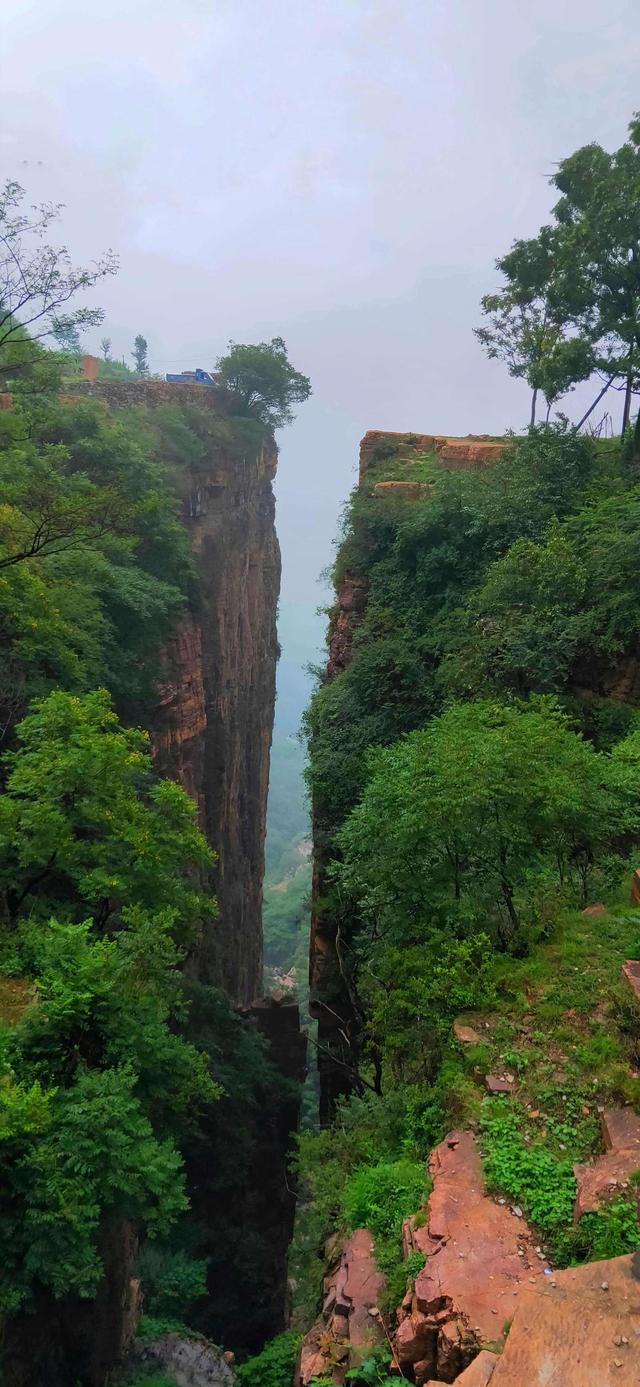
[477, 1374]
[597, 1180]
[580, 1328]
[192, 1362]
[466, 1034]
[499, 1083]
[595, 910]
[480, 1371]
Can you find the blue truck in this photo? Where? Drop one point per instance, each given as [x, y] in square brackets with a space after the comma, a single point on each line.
[188, 377]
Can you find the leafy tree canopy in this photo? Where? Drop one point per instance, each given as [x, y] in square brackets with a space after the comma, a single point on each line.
[262, 382]
[82, 814]
[455, 818]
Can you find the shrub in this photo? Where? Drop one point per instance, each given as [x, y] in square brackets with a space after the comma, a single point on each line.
[378, 1197]
[530, 1175]
[273, 1366]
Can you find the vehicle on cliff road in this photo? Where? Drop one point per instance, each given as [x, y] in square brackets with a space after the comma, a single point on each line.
[187, 377]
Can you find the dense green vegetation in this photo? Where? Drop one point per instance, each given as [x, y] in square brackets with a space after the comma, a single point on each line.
[476, 783]
[121, 1076]
[261, 381]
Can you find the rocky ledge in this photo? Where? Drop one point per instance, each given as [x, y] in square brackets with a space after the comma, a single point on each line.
[347, 1329]
[192, 1362]
[480, 1257]
[599, 1179]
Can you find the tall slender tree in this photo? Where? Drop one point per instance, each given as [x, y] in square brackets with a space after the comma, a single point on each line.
[139, 354]
[598, 215]
[527, 328]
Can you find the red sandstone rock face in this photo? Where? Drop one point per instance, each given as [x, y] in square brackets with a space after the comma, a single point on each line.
[635, 888]
[459, 453]
[352, 599]
[212, 727]
[479, 1258]
[181, 721]
[478, 1374]
[468, 453]
[581, 1328]
[347, 1330]
[405, 491]
[598, 1180]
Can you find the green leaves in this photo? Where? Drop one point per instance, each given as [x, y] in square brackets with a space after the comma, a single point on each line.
[531, 1175]
[81, 808]
[570, 297]
[461, 814]
[261, 381]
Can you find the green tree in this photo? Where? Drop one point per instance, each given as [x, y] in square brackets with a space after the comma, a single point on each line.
[38, 280]
[82, 814]
[261, 381]
[105, 348]
[139, 354]
[454, 819]
[68, 337]
[598, 216]
[526, 328]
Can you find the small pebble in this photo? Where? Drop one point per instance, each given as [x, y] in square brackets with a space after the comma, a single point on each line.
[604, 1285]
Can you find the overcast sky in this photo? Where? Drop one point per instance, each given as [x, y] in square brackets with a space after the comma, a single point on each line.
[342, 173]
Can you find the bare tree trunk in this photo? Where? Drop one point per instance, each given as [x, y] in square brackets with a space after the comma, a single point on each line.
[595, 402]
[514, 923]
[636, 439]
[626, 413]
[534, 400]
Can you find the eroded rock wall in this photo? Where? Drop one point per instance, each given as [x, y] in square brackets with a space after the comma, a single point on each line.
[216, 714]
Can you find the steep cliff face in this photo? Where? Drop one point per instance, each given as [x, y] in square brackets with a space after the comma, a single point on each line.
[211, 729]
[331, 1000]
[212, 726]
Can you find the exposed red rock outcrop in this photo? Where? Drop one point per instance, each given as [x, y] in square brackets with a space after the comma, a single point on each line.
[352, 600]
[468, 453]
[499, 1083]
[579, 1328]
[347, 1329]
[635, 887]
[478, 1374]
[212, 727]
[406, 491]
[598, 1180]
[480, 1256]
